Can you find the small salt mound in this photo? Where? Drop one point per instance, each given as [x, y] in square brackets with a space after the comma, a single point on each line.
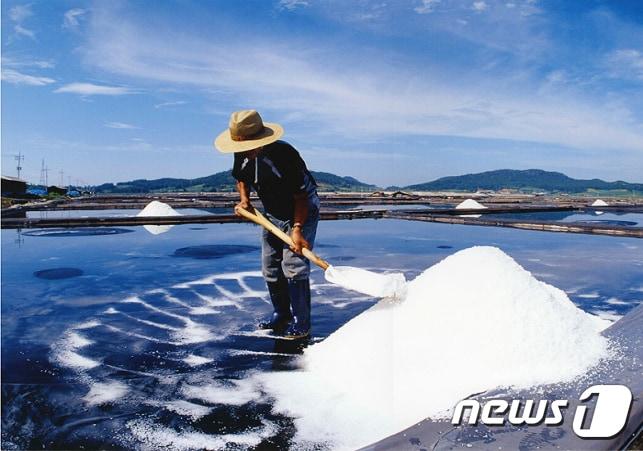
[475, 321]
[236, 393]
[470, 204]
[105, 392]
[599, 203]
[64, 352]
[156, 436]
[196, 360]
[156, 208]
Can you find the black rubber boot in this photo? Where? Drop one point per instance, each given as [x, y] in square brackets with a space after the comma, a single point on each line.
[300, 301]
[280, 298]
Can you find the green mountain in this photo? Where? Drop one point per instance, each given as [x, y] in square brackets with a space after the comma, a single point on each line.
[222, 181]
[529, 180]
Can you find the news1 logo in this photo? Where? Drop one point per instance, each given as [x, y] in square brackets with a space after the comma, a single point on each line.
[609, 414]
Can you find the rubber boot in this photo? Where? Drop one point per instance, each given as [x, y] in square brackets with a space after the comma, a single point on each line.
[300, 302]
[280, 299]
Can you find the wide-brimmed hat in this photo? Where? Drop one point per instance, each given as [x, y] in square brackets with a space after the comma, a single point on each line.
[246, 132]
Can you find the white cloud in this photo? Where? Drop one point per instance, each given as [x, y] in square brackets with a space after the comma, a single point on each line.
[291, 5]
[89, 89]
[19, 29]
[626, 63]
[21, 63]
[426, 7]
[347, 93]
[169, 104]
[479, 6]
[18, 14]
[557, 76]
[120, 125]
[18, 78]
[71, 18]
[41, 64]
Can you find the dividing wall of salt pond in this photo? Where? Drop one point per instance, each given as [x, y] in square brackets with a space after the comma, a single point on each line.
[148, 341]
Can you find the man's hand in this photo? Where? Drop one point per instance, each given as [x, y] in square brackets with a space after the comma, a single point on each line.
[298, 241]
[245, 204]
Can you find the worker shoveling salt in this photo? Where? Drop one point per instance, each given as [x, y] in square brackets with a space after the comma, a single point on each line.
[367, 282]
[156, 208]
[473, 322]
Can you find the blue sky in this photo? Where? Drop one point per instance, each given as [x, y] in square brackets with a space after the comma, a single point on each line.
[390, 92]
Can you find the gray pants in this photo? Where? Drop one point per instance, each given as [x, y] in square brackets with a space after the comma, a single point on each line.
[277, 260]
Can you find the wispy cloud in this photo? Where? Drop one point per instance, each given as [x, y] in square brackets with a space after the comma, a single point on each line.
[121, 125]
[626, 63]
[71, 18]
[291, 5]
[170, 104]
[367, 99]
[8, 61]
[18, 78]
[18, 14]
[426, 6]
[90, 89]
[479, 6]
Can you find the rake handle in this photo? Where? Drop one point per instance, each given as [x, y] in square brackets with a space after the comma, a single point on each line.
[260, 219]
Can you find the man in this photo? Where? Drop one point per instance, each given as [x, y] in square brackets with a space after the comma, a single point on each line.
[288, 192]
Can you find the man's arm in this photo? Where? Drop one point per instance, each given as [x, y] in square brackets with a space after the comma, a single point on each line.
[244, 197]
[299, 218]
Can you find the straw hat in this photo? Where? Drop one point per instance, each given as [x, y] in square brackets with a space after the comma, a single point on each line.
[246, 132]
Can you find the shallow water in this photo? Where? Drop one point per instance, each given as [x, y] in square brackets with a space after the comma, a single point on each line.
[144, 349]
[588, 217]
[112, 213]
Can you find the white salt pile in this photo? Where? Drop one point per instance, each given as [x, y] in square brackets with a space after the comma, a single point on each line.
[471, 205]
[599, 203]
[156, 208]
[475, 321]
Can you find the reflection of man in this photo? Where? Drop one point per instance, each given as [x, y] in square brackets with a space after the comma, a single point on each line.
[288, 192]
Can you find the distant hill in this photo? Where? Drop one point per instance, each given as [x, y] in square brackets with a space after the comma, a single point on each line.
[222, 181]
[531, 180]
[528, 180]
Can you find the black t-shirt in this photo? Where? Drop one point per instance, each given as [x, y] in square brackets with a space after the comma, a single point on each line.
[277, 174]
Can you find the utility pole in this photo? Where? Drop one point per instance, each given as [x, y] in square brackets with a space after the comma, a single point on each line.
[62, 178]
[44, 176]
[19, 158]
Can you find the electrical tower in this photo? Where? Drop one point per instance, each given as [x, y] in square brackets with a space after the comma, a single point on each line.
[44, 174]
[19, 158]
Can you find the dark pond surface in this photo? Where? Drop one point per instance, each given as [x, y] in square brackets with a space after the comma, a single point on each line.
[58, 273]
[141, 349]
